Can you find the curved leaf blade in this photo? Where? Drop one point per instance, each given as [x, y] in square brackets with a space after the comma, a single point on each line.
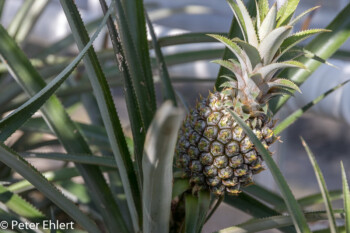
[157, 168]
[346, 196]
[323, 188]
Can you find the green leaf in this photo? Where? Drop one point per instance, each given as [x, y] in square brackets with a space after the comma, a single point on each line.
[235, 49]
[234, 32]
[133, 60]
[186, 38]
[196, 210]
[32, 15]
[135, 19]
[106, 161]
[245, 21]
[269, 22]
[264, 194]
[284, 83]
[346, 196]
[168, 91]
[324, 46]
[157, 168]
[133, 106]
[109, 114]
[268, 71]
[263, 9]
[323, 188]
[258, 225]
[19, 18]
[21, 207]
[66, 41]
[14, 161]
[298, 113]
[191, 56]
[252, 206]
[288, 12]
[272, 42]
[296, 19]
[293, 207]
[317, 198]
[251, 51]
[296, 38]
[179, 187]
[234, 68]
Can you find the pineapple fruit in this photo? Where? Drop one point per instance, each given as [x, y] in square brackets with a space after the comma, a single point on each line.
[212, 149]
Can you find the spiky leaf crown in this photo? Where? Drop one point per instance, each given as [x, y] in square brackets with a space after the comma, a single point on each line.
[267, 40]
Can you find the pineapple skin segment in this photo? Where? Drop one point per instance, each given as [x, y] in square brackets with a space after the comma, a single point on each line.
[213, 150]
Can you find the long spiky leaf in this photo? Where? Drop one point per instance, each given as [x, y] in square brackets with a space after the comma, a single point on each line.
[323, 188]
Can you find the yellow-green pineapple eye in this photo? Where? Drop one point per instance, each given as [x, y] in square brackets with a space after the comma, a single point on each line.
[250, 157]
[225, 136]
[211, 132]
[206, 158]
[204, 145]
[193, 152]
[225, 173]
[232, 149]
[246, 145]
[233, 181]
[238, 133]
[220, 161]
[213, 181]
[241, 171]
[183, 160]
[236, 161]
[196, 166]
[214, 118]
[197, 178]
[199, 126]
[226, 122]
[233, 190]
[210, 171]
[218, 190]
[217, 149]
[194, 138]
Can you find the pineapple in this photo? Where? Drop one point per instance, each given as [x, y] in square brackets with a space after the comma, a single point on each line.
[212, 149]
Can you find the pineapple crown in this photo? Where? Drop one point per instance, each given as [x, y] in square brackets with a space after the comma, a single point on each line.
[264, 50]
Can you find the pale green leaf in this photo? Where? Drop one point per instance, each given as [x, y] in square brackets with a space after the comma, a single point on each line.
[272, 42]
[323, 188]
[263, 8]
[248, 23]
[296, 38]
[288, 12]
[296, 19]
[346, 196]
[284, 83]
[157, 168]
[251, 51]
[269, 22]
